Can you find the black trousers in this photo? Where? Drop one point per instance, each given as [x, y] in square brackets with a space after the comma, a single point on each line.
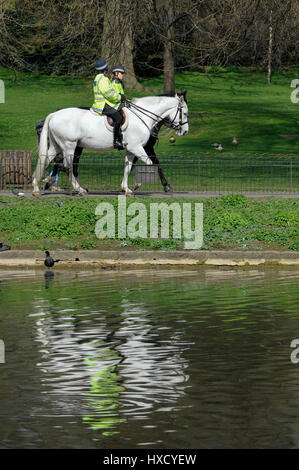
[114, 113]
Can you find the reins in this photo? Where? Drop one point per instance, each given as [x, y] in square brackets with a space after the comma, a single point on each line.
[157, 118]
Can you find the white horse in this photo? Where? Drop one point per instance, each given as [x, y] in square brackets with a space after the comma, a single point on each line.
[69, 127]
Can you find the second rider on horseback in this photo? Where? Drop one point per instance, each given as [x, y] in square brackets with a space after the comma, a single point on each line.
[108, 101]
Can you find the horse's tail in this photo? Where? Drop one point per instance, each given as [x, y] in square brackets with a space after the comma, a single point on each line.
[42, 155]
[44, 142]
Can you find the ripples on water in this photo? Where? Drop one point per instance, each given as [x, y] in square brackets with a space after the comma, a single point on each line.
[163, 359]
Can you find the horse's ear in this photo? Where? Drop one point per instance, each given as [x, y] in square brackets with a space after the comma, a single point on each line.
[182, 95]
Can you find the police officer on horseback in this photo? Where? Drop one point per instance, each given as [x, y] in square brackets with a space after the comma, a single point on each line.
[117, 80]
[108, 100]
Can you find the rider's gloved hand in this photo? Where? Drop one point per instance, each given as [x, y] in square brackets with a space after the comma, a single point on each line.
[123, 98]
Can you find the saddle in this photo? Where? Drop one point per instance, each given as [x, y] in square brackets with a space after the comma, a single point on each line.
[109, 123]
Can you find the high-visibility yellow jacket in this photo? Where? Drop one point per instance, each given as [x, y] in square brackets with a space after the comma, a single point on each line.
[118, 85]
[104, 92]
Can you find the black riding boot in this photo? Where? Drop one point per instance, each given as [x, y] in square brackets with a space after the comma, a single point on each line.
[117, 137]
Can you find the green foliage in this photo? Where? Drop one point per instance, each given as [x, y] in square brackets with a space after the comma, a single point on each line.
[31, 221]
[286, 218]
[234, 200]
[230, 222]
[294, 245]
[88, 244]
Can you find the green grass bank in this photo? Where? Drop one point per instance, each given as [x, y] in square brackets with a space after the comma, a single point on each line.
[231, 222]
[223, 103]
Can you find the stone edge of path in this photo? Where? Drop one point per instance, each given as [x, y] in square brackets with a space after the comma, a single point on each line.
[99, 259]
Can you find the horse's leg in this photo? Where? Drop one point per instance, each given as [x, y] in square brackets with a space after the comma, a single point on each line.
[77, 155]
[149, 148]
[140, 153]
[155, 161]
[136, 185]
[58, 166]
[129, 161]
[164, 182]
[51, 179]
[68, 159]
[42, 164]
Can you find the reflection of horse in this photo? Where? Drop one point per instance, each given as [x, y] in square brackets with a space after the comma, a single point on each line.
[107, 370]
[70, 128]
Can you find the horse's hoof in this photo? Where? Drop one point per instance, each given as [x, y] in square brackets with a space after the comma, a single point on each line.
[168, 188]
[137, 186]
[82, 192]
[36, 194]
[129, 193]
[55, 189]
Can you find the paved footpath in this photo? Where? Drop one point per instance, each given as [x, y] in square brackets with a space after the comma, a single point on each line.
[185, 194]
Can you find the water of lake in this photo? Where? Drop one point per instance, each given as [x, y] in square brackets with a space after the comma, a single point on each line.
[149, 359]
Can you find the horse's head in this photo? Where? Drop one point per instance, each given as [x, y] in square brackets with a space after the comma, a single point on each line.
[179, 117]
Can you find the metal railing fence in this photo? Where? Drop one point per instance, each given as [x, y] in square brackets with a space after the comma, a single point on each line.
[184, 172]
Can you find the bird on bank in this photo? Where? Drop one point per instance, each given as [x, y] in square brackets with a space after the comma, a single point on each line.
[59, 203]
[217, 145]
[16, 192]
[49, 261]
[235, 141]
[4, 247]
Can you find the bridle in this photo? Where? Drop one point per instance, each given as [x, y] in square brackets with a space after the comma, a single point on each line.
[159, 119]
[180, 123]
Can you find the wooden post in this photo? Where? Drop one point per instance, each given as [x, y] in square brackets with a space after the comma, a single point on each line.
[15, 168]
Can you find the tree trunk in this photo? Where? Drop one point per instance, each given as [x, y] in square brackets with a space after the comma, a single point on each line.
[117, 39]
[168, 57]
[270, 46]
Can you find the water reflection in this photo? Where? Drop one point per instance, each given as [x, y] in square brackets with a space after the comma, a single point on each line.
[152, 359]
[108, 364]
[49, 277]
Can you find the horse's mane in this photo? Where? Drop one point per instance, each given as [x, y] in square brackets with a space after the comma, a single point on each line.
[169, 95]
[148, 98]
[177, 93]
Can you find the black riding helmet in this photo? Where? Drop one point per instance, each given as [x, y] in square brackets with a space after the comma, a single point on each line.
[101, 65]
[118, 68]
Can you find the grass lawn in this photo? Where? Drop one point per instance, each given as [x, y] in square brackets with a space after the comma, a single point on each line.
[230, 222]
[222, 104]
